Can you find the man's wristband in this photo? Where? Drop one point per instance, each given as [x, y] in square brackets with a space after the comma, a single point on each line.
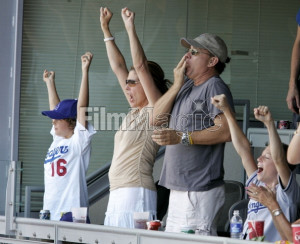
[186, 139]
[109, 39]
[190, 139]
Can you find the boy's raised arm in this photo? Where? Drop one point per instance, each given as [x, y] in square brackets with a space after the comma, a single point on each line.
[239, 140]
[49, 79]
[83, 98]
[263, 114]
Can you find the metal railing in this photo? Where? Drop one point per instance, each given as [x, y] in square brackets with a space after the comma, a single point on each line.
[42, 231]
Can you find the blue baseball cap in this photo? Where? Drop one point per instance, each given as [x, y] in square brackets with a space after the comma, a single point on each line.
[66, 109]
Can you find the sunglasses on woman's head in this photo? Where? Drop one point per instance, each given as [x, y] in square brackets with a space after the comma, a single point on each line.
[131, 83]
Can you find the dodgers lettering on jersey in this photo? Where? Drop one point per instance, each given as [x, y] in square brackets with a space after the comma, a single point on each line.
[56, 153]
[255, 207]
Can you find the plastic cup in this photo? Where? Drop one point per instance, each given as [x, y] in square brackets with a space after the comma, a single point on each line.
[153, 225]
[140, 224]
[79, 215]
[255, 228]
[283, 124]
[140, 220]
[296, 233]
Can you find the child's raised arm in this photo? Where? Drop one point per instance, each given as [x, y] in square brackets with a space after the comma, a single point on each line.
[49, 79]
[83, 98]
[263, 114]
[239, 140]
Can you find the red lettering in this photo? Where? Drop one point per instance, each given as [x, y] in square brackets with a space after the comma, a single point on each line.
[52, 167]
[61, 170]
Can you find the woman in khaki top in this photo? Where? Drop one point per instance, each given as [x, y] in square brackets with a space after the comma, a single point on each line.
[132, 187]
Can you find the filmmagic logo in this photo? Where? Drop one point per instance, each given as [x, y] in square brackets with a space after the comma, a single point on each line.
[103, 120]
[106, 121]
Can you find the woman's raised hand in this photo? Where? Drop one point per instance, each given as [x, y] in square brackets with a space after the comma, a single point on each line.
[105, 16]
[128, 17]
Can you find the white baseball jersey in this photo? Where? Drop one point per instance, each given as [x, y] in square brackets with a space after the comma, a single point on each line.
[65, 167]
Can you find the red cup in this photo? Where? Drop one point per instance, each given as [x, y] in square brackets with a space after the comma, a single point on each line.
[296, 233]
[283, 124]
[153, 225]
[255, 228]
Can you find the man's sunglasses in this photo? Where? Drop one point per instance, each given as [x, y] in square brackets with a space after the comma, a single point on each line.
[195, 52]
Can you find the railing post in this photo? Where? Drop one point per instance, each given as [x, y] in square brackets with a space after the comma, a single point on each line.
[10, 200]
[27, 204]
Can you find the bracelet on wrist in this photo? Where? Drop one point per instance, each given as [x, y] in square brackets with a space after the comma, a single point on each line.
[109, 39]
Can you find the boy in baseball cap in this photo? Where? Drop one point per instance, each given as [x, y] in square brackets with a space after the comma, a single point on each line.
[68, 156]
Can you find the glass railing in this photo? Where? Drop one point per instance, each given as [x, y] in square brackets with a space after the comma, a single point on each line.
[4, 166]
[10, 179]
[10, 182]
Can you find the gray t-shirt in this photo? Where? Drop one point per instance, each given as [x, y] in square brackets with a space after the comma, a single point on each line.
[196, 167]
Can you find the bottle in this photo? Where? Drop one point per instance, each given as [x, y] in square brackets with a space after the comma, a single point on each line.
[236, 225]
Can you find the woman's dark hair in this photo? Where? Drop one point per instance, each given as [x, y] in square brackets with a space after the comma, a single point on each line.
[158, 76]
[221, 66]
[72, 123]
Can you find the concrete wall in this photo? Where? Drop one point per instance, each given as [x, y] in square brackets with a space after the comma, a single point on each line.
[10, 65]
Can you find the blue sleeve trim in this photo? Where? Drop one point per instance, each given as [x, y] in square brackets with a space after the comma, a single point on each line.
[252, 178]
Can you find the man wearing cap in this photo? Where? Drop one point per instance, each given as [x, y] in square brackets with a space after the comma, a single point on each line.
[193, 164]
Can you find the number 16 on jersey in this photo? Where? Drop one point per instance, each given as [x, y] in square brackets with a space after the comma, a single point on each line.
[59, 168]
